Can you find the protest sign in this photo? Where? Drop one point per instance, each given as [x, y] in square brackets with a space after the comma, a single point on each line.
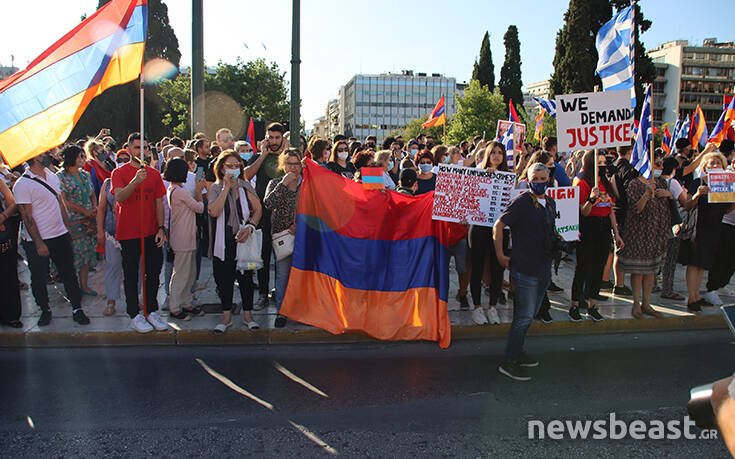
[467, 194]
[567, 210]
[519, 136]
[721, 186]
[593, 120]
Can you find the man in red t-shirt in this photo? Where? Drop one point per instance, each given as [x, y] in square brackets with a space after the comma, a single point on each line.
[139, 193]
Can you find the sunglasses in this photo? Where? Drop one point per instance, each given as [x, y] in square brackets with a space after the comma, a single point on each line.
[123, 160]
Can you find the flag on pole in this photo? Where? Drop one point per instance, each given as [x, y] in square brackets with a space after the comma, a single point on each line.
[666, 141]
[725, 102]
[547, 104]
[539, 125]
[512, 115]
[437, 117]
[615, 47]
[683, 130]
[698, 132]
[726, 121]
[642, 147]
[250, 136]
[674, 133]
[40, 105]
[507, 141]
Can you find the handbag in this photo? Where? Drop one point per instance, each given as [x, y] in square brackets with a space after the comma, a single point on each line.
[687, 230]
[249, 252]
[283, 243]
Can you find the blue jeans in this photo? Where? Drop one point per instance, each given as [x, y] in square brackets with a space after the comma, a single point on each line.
[528, 294]
[283, 270]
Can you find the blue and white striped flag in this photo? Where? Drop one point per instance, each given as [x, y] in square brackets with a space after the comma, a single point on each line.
[548, 105]
[615, 47]
[642, 147]
[507, 141]
[674, 134]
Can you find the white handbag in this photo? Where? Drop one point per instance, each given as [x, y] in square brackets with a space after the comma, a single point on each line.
[283, 244]
[249, 252]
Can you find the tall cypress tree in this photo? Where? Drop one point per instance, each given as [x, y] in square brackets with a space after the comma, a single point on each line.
[118, 108]
[575, 59]
[510, 74]
[484, 71]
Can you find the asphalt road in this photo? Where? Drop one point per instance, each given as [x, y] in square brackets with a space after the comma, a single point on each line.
[358, 400]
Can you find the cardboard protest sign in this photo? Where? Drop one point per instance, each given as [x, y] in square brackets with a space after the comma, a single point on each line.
[593, 120]
[567, 210]
[721, 186]
[467, 194]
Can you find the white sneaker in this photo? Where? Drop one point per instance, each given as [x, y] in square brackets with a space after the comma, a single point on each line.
[140, 325]
[478, 316]
[713, 298]
[492, 315]
[158, 323]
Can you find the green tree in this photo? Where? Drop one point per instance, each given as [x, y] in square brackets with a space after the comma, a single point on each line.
[575, 59]
[510, 74]
[413, 128]
[118, 108]
[645, 71]
[478, 111]
[484, 71]
[256, 89]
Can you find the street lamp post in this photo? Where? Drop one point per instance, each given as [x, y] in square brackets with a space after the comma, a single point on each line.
[197, 67]
[294, 123]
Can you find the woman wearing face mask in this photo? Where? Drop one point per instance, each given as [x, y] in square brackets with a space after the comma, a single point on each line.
[441, 155]
[97, 164]
[236, 211]
[699, 254]
[647, 220]
[281, 197]
[384, 159]
[596, 226]
[318, 150]
[426, 177]
[338, 160]
[78, 195]
[482, 247]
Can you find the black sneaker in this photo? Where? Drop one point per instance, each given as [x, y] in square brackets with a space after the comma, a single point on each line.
[463, 304]
[45, 318]
[544, 316]
[280, 322]
[194, 311]
[181, 315]
[599, 297]
[574, 314]
[554, 288]
[622, 291]
[692, 307]
[513, 371]
[525, 361]
[80, 317]
[606, 285]
[594, 314]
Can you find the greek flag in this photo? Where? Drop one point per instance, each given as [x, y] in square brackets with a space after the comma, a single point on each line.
[642, 147]
[674, 134]
[507, 141]
[548, 105]
[615, 46]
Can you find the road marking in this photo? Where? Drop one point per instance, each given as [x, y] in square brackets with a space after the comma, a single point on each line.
[311, 436]
[228, 382]
[295, 378]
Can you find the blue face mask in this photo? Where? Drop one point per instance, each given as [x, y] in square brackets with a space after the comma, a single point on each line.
[413, 152]
[246, 156]
[538, 188]
[391, 164]
[657, 173]
[447, 159]
[426, 168]
[234, 172]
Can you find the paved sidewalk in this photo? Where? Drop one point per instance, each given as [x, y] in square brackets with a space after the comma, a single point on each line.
[115, 330]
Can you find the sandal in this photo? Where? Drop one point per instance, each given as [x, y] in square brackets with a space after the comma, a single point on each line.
[637, 315]
[109, 311]
[649, 311]
[672, 296]
[253, 325]
[221, 328]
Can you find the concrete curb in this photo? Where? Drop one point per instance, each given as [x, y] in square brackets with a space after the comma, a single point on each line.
[318, 336]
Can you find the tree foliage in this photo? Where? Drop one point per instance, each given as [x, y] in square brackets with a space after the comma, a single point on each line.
[575, 59]
[413, 128]
[478, 111]
[484, 71]
[511, 83]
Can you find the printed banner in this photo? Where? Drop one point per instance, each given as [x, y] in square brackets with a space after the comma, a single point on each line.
[467, 194]
[721, 186]
[567, 210]
[593, 120]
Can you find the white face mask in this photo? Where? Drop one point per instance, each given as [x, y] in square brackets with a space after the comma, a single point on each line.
[343, 154]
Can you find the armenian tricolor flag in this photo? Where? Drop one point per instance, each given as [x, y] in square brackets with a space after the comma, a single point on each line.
[40, 105]
[726, 121]
[666, 141]
[372, 178]
[698, 131]
[438, 116]
[250, 137]
[370, 262]
[539, 125]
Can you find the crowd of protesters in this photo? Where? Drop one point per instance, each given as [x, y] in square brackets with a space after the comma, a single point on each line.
[185, 200]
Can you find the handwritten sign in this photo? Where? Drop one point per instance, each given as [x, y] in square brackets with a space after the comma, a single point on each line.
[567, 210]
[593, 120]
[721, 186]
[472, 195]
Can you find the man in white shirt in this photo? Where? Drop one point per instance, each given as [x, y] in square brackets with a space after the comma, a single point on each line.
[46, 234]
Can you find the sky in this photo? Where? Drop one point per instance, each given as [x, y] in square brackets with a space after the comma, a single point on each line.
[341, 38]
